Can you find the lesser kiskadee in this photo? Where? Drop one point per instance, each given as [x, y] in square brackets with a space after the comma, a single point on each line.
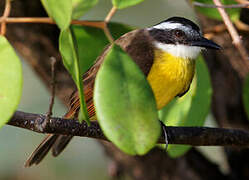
[165, 53]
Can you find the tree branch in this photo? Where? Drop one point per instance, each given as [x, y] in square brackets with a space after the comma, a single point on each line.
[195, 136]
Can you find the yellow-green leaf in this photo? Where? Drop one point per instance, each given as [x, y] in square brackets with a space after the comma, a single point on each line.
[121, 4]
[91, 41]
[10, 81]
[80, 7]
[69, 51]
[125, 104]
[60, 11]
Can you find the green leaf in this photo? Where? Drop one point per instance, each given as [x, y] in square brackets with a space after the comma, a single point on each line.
[120, 4]
[192, 108]
[80, 7]
[91, 41]
[60, 11]
[10, 80]
[246, 95]
[125, 104]
[69, 51]
[213, 12]
[118, 29]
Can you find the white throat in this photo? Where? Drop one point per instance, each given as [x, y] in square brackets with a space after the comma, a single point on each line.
[180, 50]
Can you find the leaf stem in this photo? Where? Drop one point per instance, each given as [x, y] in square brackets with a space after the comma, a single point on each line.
[110, 14]
[5, 15]
[107, 20]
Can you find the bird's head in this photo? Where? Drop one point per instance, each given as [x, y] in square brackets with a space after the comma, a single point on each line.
[180, 37]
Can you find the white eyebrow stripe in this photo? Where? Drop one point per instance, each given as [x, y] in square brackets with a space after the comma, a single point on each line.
[171, 25]
[167, 25]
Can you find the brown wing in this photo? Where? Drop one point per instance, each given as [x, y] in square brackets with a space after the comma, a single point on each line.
[75, 103]
[137, 44]
[88, 81]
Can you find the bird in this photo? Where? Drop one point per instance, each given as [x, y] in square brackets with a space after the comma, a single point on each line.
[165, 53]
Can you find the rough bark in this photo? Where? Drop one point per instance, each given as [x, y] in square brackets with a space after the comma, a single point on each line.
[37, 42]
[193, 136]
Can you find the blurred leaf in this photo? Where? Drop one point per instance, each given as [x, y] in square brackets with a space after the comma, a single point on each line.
[246, 95]
[69, 51]
[191, 109]
[118, 29]
[91, 41]
[60, 11]
[125, 104]
[213, 12]
[10, 80]
[80, 7]
[120, 4]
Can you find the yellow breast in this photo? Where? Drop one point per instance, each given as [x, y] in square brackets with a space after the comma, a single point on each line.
[169, 76]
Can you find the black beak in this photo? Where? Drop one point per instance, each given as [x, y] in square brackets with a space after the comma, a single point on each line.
[203, 42]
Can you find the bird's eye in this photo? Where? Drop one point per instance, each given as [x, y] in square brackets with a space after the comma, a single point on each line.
[179, 33]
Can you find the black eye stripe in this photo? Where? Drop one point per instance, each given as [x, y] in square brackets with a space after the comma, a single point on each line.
[179, 33]
[161, 36]
[168, 36]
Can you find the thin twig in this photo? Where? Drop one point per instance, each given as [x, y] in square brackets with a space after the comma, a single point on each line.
[210, 32]
[215, 29]
[98, 24]
[110, 14]
[220, 6]
[235, 36]
[242, 2]
[5, 15]
[241, 25]
[108, 34]
[47, 20]
[194, 136]
[107, 20]
[222, 27]
[51, 104]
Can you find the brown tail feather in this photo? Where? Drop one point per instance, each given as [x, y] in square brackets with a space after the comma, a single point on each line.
[42, 150]
[60, 144]
[56, 142]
